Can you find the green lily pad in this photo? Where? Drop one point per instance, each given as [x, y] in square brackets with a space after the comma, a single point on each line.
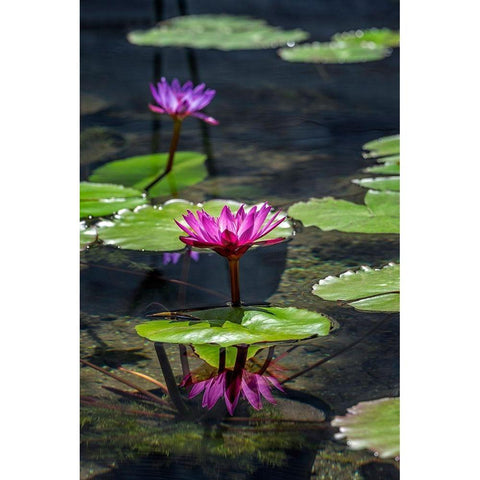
[379, 183]
[369, 289]
[137, 172]
[153, 228]
[233, 326]
[222, 32]
[386, 168]
[99, 199]
[380, 214]
[383, 147]
[383, 37]
[333, 52]
[374, 425]
[87, 236]
[210, 354]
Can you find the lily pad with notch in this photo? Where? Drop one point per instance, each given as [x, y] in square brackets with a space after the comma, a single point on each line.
[153, 228]
[374, 425]
[369, 289]
[380, 214]
[102, 199]
[228, 326]
[137, 172]
[221, 32]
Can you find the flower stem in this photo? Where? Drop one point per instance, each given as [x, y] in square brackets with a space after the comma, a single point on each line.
[241, 358]
[177, 126]
[234, 281]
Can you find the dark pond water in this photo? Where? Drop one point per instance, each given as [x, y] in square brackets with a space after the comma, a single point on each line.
[287, 132]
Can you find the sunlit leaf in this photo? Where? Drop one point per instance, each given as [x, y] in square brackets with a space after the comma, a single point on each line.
[374, 425]
[222, 32]
[334, 52]
[383, 37]
[382, 147]
[100, 199]
[87, 235]
[233, 326]
[137, 172]
[366, 289]
[379, 183]
[385, 168]
[380, 214]
[211, 353]
[154, 228]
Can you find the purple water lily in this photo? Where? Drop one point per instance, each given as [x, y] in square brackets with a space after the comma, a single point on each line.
[182, 101]
[230, 235]
[231, 384]
[175, 257]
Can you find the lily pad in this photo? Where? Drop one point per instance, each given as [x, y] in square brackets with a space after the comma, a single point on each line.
[154, 228]
[233, 326]
[211, 353]
[386, 168]
[87, 235]
[137, 172]
[383, 37]
[369, 289]
[334, 52]
[383, 147]
[379, 183]
[100, 199]
[374, 425]
[222, 32]
[380, 214]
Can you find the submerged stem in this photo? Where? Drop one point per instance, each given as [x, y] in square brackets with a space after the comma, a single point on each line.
[177, 126]
[234, 281]
[170, 379]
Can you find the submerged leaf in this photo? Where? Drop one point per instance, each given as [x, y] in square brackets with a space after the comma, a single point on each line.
[188, 169]
[211, 353]
[87, 235]
[366, 289]
[222, 32]
[233, 326]
[100, 199]
[380, 214]
[374, 425]
[154, 228]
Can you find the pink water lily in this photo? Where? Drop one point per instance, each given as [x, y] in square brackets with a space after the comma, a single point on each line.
[182, 101]
[230, 235]
[232, 384]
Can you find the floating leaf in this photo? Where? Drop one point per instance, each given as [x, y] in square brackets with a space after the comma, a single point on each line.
[98, 199]
[210, 354]
[333, 52]
[222, 32]
[379, 183]
[374, 425]
[366, 289]
[233, 326]
[383, 37]
[154, 228]
[380, 214]
[386, 168]
[137, 172]
[382, 147]
[87, 235]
